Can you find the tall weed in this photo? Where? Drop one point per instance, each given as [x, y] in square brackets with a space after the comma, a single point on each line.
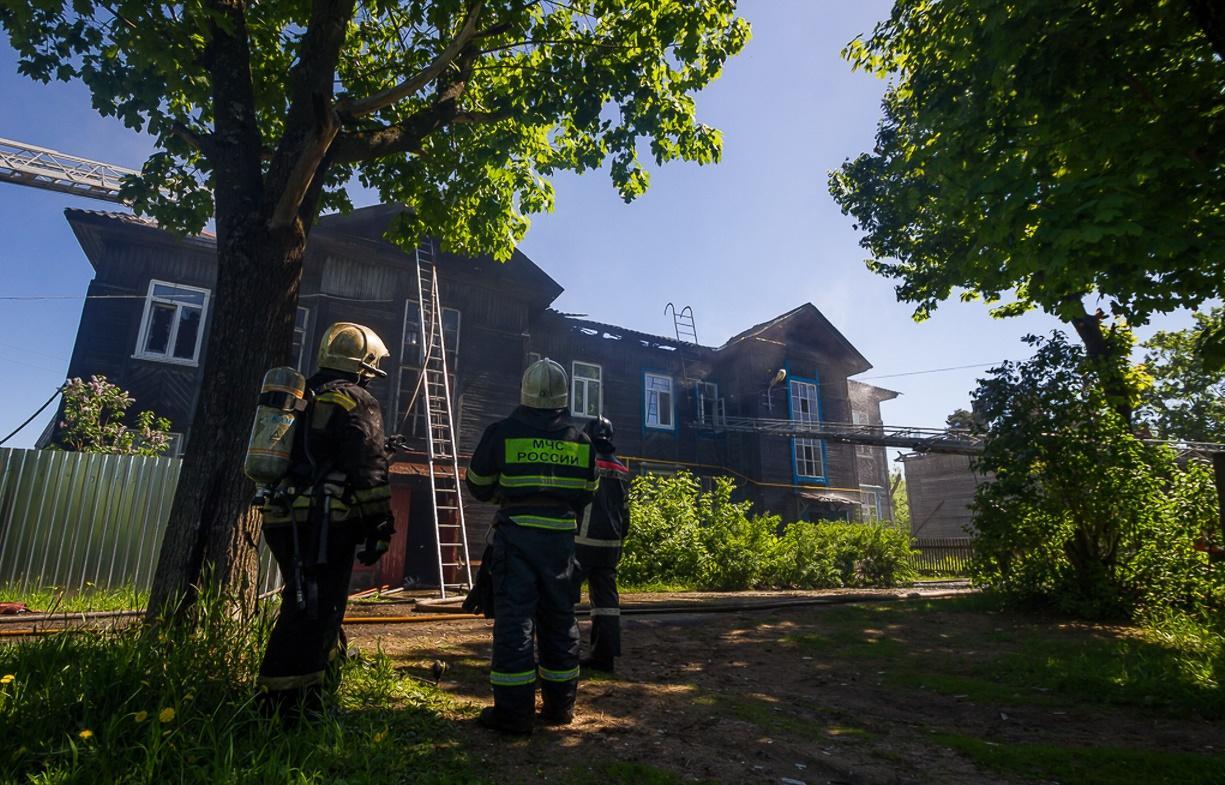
[177, 704]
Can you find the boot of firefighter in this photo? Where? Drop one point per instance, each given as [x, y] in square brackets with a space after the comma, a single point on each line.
[557, 699]
[511, 711]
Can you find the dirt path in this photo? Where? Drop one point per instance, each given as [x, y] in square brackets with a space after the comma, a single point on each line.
[781, 696]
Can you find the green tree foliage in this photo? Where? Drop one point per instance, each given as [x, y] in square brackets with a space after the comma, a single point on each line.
[900, 501]
[1081, 513]
[263, 112]
[1035, 152]
[1187, 398]
[95, 420]
[684, 535]
[460, 109]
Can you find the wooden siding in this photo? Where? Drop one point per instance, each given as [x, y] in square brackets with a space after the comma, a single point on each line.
[503, 321]
[940, 489]
[872, 462]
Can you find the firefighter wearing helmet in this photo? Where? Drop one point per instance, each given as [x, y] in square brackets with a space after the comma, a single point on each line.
[333, 499]
[540, 469]
[601, 532]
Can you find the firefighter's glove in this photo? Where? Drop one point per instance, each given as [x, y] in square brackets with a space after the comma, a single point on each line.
[378, 538]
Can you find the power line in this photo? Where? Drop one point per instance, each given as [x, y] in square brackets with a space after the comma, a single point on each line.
[931, 370]
[40, 297]
[30, 419]
[46, 297]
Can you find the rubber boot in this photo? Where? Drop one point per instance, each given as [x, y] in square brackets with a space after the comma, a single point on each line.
[557, 699]
[492, 719]
[599, 664]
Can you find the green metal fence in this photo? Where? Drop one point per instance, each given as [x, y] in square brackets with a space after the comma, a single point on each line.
[68, 519]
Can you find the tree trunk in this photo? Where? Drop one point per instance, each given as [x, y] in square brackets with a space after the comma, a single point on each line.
[1098, 350]
[212, 536]
[1218, 471]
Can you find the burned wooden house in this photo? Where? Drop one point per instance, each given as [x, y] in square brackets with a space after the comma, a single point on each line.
[148, 310]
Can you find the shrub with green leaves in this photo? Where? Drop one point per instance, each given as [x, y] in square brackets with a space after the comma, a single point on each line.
[682, 535]
[833, 554]
[1081, 513]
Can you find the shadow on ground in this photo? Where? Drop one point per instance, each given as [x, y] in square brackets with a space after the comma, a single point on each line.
[948, 691]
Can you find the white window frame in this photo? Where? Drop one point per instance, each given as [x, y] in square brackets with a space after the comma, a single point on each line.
[648, 391]
[808, 455]
[863, 450]
[587, 383]
[304, 338]
[404, 392]
[174, 445]
[452, 347]
[142, 337]
[874, 511]
[700, 390]
[452, 350]
[415, 360]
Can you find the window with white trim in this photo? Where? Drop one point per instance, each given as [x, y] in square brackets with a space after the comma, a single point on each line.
[171, 327]
[410, 348]
[871, 500]
[658, 402]
[809, 459]
[298, 352]
[863, 450]
[410, 404]
[586, 393]
[710, 407]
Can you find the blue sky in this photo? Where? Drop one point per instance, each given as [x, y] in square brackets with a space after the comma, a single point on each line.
[741, 242]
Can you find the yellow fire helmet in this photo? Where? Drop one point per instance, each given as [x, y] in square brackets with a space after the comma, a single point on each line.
[354, 348]
[545, 386]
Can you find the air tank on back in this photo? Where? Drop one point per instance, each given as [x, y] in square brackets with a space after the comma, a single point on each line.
[272, 432]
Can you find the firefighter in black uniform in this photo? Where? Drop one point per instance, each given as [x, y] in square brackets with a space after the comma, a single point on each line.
[597, 547]
[540, 469]
[335, 498]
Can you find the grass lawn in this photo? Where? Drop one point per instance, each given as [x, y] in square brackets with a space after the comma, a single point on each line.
[141, 705]
[957, 690]
[52, 599]
[1031, 659]
[973, 651]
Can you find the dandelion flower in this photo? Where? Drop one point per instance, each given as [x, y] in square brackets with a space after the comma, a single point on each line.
[86, 734]
[141, 716]
[166, 715]
[7, 678]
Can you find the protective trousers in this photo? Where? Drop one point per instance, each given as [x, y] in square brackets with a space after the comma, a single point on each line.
[533, 576]
[601, 578]
[305, 643]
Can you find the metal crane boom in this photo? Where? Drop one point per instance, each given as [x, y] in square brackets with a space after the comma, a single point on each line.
[39, 167]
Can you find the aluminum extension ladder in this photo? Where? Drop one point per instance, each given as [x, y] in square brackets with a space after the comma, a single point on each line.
[450, 534]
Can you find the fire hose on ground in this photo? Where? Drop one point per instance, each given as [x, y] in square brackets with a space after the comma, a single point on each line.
[446, 611]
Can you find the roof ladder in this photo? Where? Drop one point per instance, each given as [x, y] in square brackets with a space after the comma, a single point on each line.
[683, 323]
[450, 534]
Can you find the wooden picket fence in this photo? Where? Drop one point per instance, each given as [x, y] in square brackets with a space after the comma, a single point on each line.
[943, 555]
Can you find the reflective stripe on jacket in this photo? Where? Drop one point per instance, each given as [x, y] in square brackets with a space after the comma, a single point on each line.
[538, 466]
[606, 520]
